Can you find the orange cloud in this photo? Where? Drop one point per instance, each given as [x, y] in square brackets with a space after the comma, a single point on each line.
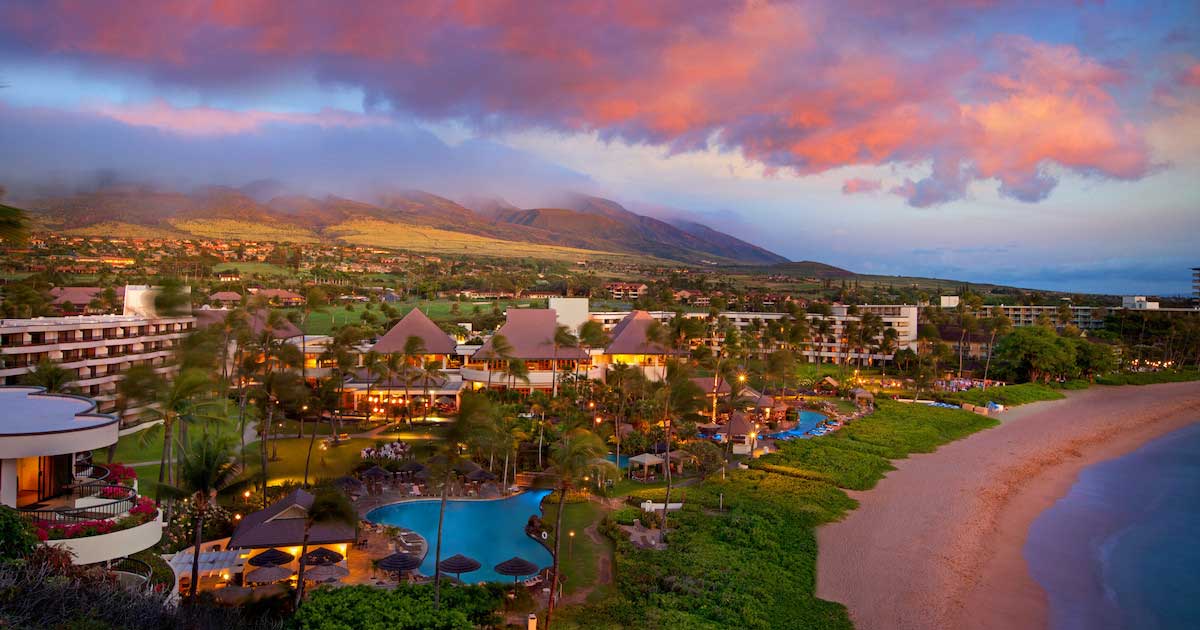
[208, 121]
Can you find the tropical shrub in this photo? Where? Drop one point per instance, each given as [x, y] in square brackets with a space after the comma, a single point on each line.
[17, 537]
[1009, 395]
[405, 608]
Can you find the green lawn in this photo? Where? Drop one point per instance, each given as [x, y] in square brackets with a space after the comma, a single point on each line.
[1010, 395]
[260, 268]
[326, 464]
[321, 323]
[579, 559]
[753, 565]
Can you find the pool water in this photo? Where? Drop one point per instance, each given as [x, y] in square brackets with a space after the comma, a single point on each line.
[807, 422]
[488, 531]
[613, 458]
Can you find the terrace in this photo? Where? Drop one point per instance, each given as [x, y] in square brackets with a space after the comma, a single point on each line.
[72, 503]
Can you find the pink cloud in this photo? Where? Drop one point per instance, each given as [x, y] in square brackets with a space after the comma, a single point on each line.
[208, 121]
[800, 87]
[859, 185]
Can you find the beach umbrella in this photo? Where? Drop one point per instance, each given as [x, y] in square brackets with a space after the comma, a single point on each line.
[516, 567]
[400, 562]
[321, 555]
[267, 574]
[480, 474]
[271, 556]
[349, 485]
[458, 564]
[412, 467]
[421, 474]
[375, 472]
[323, 572]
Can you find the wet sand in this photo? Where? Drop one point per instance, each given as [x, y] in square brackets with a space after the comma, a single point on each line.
[937, 543]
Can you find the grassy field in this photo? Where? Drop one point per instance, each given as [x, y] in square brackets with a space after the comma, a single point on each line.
[1149, 378]
[436, 241]
[1009, 395]
[251, 268]
[321, 323]
[578, 562]
[111, 229]
[754, 564]
[231, 229]
[326, 464]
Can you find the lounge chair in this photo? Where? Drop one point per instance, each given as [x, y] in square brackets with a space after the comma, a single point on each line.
[533, 581]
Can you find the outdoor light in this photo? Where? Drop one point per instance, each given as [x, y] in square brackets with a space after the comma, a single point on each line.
[246, 494]
[237, 517]
[598, 419]
[741, 378]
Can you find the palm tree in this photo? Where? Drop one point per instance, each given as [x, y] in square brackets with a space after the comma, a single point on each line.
[502, 350]
[474, 417]
[329, 506]
[314, 302]
[516, 369]
[414, 347]
[997, 324]
[562, 339]
[50, 376]
[377, 371]
[576, 455]
[430, 371]
[206, 469]
[174, 404]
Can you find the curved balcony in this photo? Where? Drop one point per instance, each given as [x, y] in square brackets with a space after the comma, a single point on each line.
[98, 522]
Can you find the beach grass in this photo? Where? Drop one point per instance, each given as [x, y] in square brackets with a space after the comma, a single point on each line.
[742, 551]
[1149, 378]
[1008, 395]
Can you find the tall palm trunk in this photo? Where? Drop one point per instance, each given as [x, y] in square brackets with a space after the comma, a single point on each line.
[199, 536]
[300, 574]
[562, 497]
[988, 366]
[437, 558]
[262, 449]
[308, 458]
[667, 499]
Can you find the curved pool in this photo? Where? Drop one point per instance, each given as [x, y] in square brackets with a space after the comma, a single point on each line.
[488, 531]
[807, 421]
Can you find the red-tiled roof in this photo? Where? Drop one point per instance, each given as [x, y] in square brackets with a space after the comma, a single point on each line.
[280, 294]
[80, 296]
[415, 324]
[530, 332]
[206, 317]
[226, 296]
[282, 525]
[629, 336]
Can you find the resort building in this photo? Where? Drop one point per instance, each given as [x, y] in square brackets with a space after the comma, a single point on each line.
[98, 348]
[85, 300]
[280, 297]
[280, 527]
[529, 334]
[46, 474]
[630, 345]
[226, 299]
[626, 290]
[432, 343]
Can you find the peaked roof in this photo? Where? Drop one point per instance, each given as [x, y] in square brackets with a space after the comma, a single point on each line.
[257, 320]
[226, 296]
[81, 296]
[282, 525]
[415, 324]
[739, 424]
[629, 336]
[530, 332]
[706, 383]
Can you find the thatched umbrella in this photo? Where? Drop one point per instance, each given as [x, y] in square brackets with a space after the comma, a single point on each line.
[409, 467]
[459, 564]
[323, 572]
[516, 567]
[268, 573]
[321, 555]
[349, 485]
[399, 562]
[272, 557]
[377, 473]
[479, 474]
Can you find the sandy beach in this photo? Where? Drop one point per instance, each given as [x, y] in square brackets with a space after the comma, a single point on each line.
[937, 543]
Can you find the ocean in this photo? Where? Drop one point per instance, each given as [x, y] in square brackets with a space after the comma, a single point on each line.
[1122, 548]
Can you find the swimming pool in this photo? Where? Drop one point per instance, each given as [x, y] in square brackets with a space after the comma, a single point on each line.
[488, 531]
[807, 422]
[613, 458]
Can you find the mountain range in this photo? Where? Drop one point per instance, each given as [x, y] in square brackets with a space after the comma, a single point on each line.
[579, 222]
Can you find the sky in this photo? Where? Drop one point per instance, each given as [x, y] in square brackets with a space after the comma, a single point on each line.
[1052, 145]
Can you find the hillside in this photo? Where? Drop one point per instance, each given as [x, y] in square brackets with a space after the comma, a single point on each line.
[437, 224]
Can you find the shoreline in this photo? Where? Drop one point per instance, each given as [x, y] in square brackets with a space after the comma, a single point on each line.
[938, 542]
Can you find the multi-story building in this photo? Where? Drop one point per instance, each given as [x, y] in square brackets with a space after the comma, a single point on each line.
[626, 290]
[97, 348]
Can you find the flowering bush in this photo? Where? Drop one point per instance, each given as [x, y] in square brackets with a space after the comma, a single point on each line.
[121, 474]
[179, 534]
[143, 512]
[113, 492]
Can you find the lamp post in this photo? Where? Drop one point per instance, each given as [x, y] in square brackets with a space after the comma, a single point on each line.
[571, 547]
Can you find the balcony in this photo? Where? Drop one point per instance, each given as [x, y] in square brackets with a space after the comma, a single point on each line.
[97, 521]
